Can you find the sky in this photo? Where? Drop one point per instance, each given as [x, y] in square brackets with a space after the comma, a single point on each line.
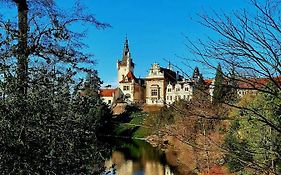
[156, 30]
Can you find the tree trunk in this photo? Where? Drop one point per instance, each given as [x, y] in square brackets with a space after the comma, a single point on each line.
[22, 55]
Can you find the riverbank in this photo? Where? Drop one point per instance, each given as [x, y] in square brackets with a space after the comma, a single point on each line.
[188, 158]
[189, 149]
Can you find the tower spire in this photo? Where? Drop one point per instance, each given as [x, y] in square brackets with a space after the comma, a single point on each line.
[126, 50]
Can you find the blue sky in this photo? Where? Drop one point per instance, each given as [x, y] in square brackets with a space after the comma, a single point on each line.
[156, 30]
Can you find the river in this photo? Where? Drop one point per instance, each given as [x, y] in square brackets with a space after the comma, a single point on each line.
[136, 157]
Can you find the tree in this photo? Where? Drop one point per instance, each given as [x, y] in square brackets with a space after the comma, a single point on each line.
[263, 147]
[44, 34]
[57, 133]
[231, 94]
[199, 85]
[218, 94]
[196, 73]
[248, 42]
[92, 84]
[45, 128]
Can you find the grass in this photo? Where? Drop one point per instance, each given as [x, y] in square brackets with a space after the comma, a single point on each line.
[130, 129]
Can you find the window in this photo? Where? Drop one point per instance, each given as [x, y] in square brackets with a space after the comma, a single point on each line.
[186, 88]
[177, 89]
[109, 101]
[154, 92]
[171, 98]
[184, 97]
[169, 90]
[126, 88]
[154, 100]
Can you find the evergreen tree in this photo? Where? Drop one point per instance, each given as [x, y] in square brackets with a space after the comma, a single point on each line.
[57, 133]
[218, 94]
[200, 83]
[231, 95]
[92, 83]
[196, 73]
[44, 128]
[199, 88]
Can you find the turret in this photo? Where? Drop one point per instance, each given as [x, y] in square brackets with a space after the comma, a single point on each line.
[126, 64]
[126, 50]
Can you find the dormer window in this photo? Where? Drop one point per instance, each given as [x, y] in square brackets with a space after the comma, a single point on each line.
[177, 89]
[186, 88]
[169, 89]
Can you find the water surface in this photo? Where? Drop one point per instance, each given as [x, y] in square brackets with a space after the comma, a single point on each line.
[136, 157]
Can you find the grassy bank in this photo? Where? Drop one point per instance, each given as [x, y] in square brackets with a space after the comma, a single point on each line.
[131, 125]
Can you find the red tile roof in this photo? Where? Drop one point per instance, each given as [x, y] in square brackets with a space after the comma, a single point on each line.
[249, 83]
[107, 92]
[208, 82]
[253, 83]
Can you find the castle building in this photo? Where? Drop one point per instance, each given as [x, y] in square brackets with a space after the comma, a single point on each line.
[156, 83]
[161, 86]
[131, 88]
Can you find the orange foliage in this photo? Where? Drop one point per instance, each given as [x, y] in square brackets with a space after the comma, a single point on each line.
[217, 170]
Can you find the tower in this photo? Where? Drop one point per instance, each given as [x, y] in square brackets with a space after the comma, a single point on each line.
[126, 65]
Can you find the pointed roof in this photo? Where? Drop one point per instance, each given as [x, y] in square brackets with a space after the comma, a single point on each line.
[126, 55]
[196, 73]
[126, 50]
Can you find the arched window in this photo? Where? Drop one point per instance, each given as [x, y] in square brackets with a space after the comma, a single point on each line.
[128, 96]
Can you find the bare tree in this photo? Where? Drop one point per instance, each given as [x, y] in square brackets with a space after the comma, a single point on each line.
[248, 48]
[43, 33]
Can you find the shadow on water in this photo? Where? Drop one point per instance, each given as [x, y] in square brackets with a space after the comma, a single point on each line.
[136, 157]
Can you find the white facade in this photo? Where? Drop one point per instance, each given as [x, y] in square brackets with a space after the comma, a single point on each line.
[155, 86]
[108, 100]
[181, 90]
[128, 91]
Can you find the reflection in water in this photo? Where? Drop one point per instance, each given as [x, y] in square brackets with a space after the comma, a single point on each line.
[136, 157]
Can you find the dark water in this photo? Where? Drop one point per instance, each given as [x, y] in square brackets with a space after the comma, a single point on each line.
[136, 157]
